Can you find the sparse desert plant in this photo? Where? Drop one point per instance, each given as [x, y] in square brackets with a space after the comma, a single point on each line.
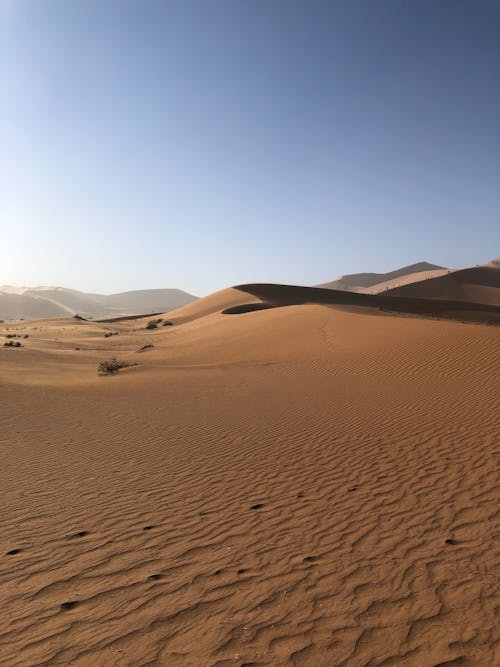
[110, 333]
[12, 343]
[112, 366]
[79, 317]
[168, 323]
[153, 324]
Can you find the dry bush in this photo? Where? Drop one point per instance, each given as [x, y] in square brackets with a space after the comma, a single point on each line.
[112, 366]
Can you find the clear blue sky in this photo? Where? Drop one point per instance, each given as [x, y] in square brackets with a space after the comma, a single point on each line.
[199, 144]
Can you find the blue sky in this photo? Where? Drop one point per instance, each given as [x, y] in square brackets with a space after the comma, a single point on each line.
[199, 144]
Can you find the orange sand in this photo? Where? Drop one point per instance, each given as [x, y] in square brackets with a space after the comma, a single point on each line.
[299, 485]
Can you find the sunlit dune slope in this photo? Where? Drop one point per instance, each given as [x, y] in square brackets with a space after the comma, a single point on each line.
[403, 280]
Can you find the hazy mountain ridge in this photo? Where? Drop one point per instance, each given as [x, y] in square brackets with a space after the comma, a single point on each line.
[44, 302]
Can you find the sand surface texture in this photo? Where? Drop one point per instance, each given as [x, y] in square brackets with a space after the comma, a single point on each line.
[300, 485]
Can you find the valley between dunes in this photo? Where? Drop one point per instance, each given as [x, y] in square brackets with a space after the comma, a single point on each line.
[311, 485]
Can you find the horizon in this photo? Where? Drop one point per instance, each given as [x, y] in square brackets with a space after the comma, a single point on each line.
[177, 288]
[195, 147]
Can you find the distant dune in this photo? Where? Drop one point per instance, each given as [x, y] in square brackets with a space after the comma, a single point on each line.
[373, 283]
[480, 284]
[43, 302]
[285, 476]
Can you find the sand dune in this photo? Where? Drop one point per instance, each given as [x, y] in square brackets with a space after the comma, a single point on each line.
[408, 279]
[263, 296]
[295, 482]
[374, 283]
[480, 284]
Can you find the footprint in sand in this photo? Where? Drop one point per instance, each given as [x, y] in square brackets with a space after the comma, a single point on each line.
[81, 533]
[309, 559]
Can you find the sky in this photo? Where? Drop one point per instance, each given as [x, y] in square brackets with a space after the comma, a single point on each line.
[199, 144]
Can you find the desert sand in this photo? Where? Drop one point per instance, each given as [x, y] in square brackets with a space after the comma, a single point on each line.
[280, 480]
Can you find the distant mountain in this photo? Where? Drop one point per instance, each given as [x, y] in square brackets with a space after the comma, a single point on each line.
[479, 284]
[374, 283]
[41, 302]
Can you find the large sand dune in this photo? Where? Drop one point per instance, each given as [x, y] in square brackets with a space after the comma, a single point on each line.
[309, 485]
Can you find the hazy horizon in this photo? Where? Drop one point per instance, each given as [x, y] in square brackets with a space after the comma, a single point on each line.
[20, 288]
[197, 145]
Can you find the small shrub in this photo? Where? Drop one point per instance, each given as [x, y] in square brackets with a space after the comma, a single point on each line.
[110, 333]
[112, 366]
[168, 323]
[148, 346]
[153, 324]
[79, 317]
[12, 343]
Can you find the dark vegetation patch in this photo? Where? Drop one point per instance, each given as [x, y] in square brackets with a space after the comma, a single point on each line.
[153, 324]
[112, 366]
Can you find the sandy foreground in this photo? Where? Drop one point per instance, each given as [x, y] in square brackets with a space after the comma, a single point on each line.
[303, 485]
